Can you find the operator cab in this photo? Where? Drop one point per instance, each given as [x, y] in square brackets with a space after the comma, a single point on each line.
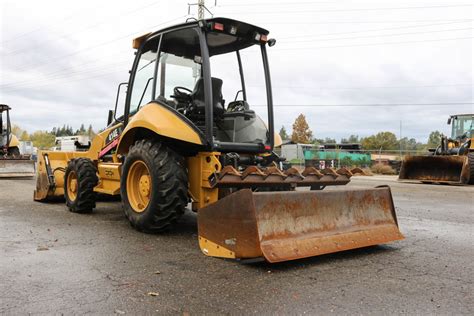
[215, 74]
[5, 128]
[462, 126]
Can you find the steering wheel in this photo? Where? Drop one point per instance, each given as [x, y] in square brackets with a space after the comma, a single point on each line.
[181, 93]
[237, 106]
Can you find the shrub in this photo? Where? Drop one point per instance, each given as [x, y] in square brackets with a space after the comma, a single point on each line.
[380, 168]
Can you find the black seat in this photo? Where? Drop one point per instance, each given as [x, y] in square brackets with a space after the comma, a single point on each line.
[217, 99]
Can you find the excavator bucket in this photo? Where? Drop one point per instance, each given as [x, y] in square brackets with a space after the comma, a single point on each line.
[436, 169]
[288, 225]
[17, 168]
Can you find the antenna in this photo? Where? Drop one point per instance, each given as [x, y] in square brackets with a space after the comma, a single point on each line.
[201, 9]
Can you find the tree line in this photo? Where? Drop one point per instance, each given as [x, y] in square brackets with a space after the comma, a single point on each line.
[46, 139]
[381, 141]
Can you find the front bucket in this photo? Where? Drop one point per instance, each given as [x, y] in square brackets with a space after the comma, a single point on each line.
[440, 169]
[14, 168]
[281, 226]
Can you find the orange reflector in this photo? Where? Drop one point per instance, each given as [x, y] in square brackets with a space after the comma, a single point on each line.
[263, 38]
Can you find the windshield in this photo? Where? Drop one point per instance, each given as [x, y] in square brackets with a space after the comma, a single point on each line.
[462, 125]
[244, 96]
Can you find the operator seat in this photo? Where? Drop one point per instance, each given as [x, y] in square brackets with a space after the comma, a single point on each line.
[217, 100]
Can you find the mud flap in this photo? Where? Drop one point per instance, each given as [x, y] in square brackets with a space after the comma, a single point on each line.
[281, 226]
[14, 168]
[439, 169]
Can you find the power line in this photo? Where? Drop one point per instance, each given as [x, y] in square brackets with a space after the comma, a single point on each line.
[54, 59]
[378, 30]
[352, 10]
[102, 74]
[59, 75]
[21, 35]
[371, 104]
[372, 44]
[103, 21]
[287, 22]
[272, 4]
[366, 87]
[382, 35]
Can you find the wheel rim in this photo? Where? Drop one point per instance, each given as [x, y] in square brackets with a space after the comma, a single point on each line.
[72, 185]
[138, 186]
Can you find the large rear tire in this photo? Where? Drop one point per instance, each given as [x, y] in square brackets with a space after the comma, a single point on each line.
[154, 186]
[80, 179]
[14, 152]
[470, 159]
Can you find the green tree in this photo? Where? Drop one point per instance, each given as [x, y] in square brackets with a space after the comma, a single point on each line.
[81, 130]
[16, 130]
[410, 144]
[24, 136]
[42, 139]
[382, 140]
[301, 132]
[329, 140]
[434, 140]
[283, 133]
[90, 132]
[353, 139]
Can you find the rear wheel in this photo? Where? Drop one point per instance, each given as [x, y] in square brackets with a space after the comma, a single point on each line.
[153, 186]
[14, 152]
[79, 182]
[470, 158]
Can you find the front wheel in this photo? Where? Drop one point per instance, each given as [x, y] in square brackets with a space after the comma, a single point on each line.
[470, 160]
[153, 186]
[79, 182]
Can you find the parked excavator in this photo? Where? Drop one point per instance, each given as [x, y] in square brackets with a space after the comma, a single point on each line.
[452, 162]
[178, 141]
[12, 163]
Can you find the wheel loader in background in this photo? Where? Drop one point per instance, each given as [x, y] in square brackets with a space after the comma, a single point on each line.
[12, 163]
[452, 162]
[178, 141]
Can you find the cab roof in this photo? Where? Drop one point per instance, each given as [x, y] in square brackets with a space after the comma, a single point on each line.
[456, 115]
[242, 38]
[4, 107]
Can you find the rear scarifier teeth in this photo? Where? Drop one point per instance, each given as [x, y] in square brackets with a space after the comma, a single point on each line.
[358, 171]
[253, 176]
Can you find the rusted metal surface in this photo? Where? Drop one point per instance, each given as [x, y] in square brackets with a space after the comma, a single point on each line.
[253, 176]
[436, 169]
[358, 171]
[12, 168]
[283, 226]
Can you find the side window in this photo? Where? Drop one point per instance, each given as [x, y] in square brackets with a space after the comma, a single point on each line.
[143, 82]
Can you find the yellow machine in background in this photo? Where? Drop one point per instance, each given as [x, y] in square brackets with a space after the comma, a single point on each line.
[179, 141]
[451, 162]
[12, 162]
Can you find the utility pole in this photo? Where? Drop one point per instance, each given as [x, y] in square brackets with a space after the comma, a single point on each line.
[201, 8]
[201, 5]
[400, 140]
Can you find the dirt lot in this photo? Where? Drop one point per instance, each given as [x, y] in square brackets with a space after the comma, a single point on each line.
[53, 261]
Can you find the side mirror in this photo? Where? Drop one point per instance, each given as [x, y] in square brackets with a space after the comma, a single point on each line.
[449, 121]
[271, 42]
[110, 117]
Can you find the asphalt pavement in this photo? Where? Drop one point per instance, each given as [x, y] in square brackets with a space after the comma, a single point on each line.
[56, 262]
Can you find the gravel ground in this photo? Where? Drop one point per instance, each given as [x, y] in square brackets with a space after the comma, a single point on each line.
[53, 261]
